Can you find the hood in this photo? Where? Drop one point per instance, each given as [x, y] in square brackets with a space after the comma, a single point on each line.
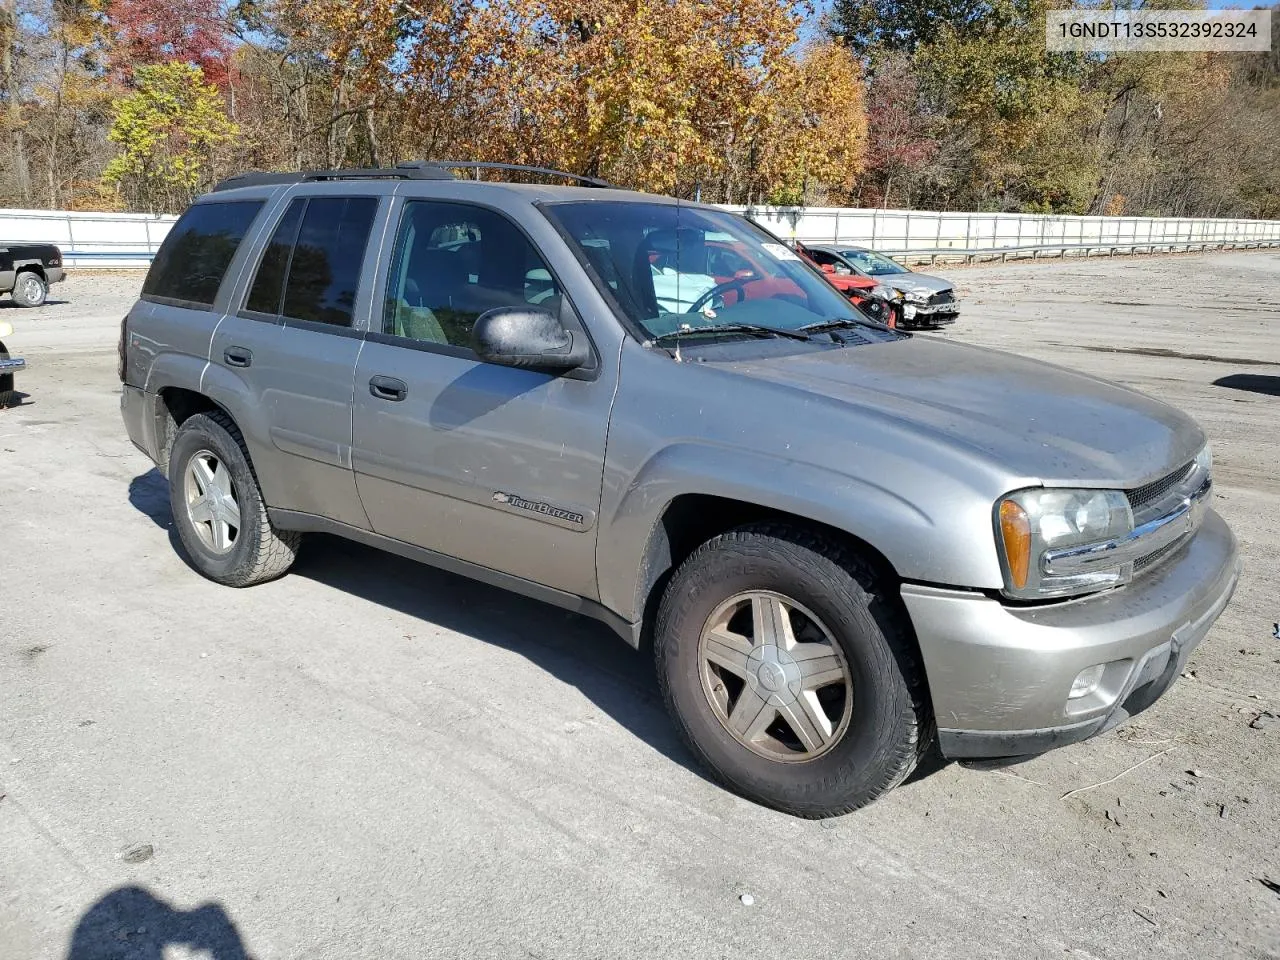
[845, 281]
[1030, 419]
[916, 283]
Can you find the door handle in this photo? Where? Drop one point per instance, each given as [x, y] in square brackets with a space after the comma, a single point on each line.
[237, 356]
[388, 388]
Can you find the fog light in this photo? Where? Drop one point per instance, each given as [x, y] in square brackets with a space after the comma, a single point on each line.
[1086, 681]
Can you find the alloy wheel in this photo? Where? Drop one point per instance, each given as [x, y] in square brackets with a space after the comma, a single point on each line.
[775, 677]
[211, 502]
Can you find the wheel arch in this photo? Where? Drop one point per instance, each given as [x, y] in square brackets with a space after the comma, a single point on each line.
[174, 406]
[30, 266]
[689, 520]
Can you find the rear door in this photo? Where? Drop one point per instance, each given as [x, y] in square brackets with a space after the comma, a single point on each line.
[497, 466]
[293, 343]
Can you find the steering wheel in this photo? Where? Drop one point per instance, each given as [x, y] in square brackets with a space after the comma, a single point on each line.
[738, 283]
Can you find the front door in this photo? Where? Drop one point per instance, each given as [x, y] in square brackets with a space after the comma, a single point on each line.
[497, 466]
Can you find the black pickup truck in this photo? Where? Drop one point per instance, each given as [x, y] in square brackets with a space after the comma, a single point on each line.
[27, 269]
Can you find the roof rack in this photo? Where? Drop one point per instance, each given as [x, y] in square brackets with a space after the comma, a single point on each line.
[310, 176]
[415, 170]
[477, 166]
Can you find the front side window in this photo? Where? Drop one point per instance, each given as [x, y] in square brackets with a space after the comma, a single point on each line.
[190, 264]
[453, 262]
[671, 267]
[824, 259]
[872, 263]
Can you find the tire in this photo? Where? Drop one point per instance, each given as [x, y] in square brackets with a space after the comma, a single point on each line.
[8, 395]
[238, 556]
[884, 725]
[29, 289]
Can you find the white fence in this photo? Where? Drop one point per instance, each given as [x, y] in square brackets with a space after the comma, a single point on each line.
[131, 239]
[89, 239]
[925, 234]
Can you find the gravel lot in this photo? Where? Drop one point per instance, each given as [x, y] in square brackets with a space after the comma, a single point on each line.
[369, 758]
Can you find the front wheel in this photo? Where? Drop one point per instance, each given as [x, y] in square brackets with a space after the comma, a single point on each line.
[218, 509]
[29, 289]
[788, 667]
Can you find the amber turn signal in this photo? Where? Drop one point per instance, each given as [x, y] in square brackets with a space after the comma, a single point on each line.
[1015, 530]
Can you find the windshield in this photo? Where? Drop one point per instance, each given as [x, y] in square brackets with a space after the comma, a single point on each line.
[875, 264]
[673, 267]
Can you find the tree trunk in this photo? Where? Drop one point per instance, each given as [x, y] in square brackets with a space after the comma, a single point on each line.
[8, 65]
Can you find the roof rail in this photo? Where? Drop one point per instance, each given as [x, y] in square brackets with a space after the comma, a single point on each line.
[478, 165]
[415, 170]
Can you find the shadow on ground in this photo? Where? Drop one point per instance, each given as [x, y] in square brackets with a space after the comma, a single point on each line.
[49, 302]
[149, 495]
[130, 923]
[574, 649]
[1252, 382]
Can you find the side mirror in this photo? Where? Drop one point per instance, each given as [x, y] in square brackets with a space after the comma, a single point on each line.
[828, 268]
[744, 275]
[527, 337]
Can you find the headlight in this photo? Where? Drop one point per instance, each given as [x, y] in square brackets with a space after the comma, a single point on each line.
[1033, 523]
[883, 292]
[1204, 462]
[915, 297]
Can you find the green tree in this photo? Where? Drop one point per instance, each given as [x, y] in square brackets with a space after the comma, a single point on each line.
[168, 132]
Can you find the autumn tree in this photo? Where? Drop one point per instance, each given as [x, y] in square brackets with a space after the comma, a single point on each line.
[67, 103]
[167, 132]
[660, 94]
[902, 135]
[161, 31]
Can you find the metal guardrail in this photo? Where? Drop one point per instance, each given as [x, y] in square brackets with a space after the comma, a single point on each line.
[142, 258]
[1035, 251]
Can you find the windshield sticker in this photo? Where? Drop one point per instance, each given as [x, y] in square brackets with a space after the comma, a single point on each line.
[779, 252]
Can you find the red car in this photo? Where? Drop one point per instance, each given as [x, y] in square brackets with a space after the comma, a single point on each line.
[868, 295]
[726, 261]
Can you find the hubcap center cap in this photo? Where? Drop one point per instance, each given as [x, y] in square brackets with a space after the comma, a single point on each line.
[771, 677]
[774, 675]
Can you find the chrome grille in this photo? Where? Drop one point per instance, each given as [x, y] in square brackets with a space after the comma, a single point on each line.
[1155, 556]
[1152, 494]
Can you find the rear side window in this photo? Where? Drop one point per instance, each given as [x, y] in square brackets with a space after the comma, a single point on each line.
[268, 284]
[191, 262]
[325, 269]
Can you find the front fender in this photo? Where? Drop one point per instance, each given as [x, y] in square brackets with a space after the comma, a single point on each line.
[909, 538]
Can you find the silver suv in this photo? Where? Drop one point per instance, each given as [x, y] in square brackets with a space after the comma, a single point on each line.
[840, 541]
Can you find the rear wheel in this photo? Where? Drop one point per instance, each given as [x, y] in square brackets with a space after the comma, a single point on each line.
[787, 665]
[218, 509]
[29, 289]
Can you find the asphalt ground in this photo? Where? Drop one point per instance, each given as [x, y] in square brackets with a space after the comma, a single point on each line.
[370, 758]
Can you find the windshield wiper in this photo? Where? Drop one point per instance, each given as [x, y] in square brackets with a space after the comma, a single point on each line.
[822, 326]
[756, 328]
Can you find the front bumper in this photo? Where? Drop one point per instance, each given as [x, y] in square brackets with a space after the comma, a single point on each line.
[12, 365]
[999, 675]
[938, 314]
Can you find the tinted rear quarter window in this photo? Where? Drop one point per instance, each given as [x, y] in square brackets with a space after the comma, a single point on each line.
[268, 283]
[194, 257]
[327, 258]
